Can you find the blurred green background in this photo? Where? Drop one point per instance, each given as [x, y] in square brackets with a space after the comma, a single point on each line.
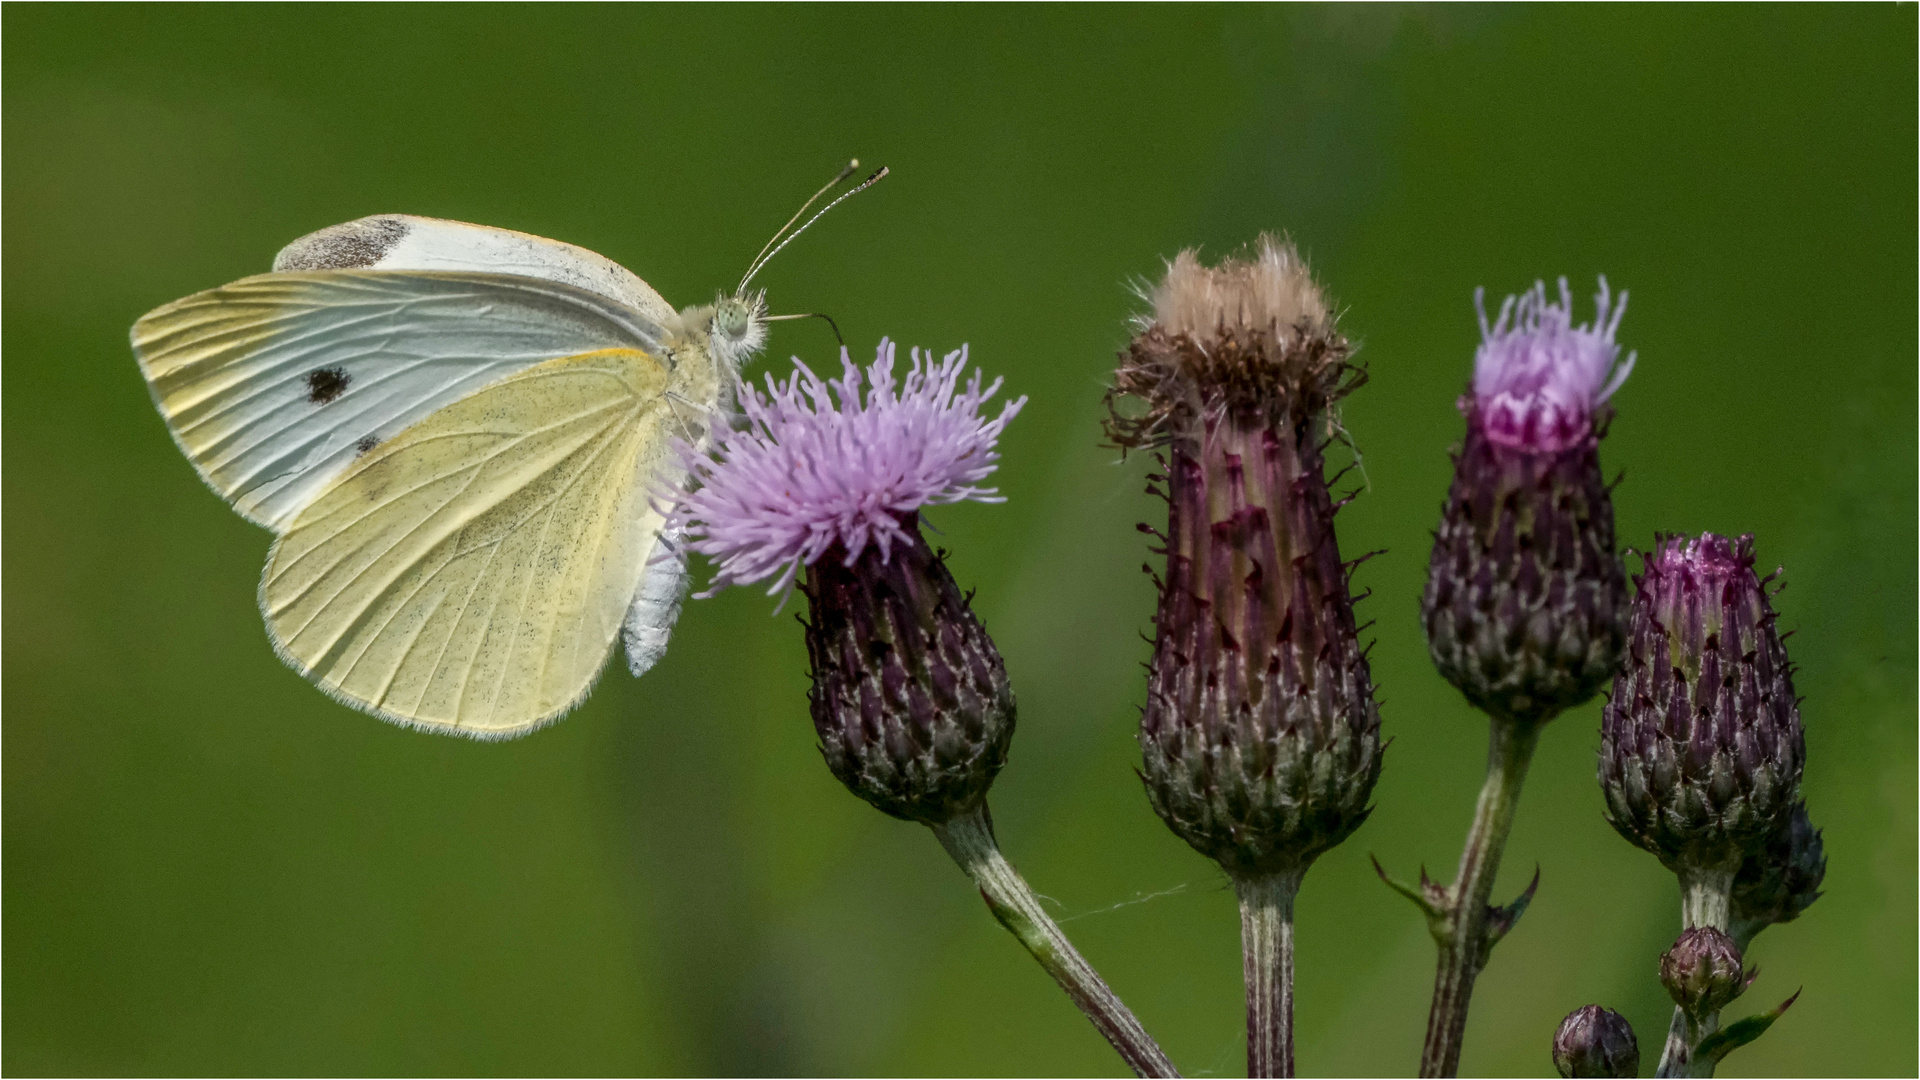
[211, 868]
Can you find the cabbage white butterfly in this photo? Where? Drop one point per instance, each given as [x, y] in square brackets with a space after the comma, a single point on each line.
[454, 431]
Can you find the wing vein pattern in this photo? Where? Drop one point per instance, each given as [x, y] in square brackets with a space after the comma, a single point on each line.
[472, 573]
[275, 384]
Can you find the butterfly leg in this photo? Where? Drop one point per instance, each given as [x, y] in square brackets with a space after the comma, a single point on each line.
[673, 397]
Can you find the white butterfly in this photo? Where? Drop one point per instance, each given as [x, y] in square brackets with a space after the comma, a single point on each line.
[455, 432]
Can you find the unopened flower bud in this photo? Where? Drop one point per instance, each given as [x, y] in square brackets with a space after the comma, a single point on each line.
[1593, 1041]
[1702, 971]
[1701, 747]
[1781, 880]
[1260, 735]
[910, 698]
[1526, 599]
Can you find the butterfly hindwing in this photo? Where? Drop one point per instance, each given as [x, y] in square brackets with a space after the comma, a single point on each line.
[275, 384]
[471, 573]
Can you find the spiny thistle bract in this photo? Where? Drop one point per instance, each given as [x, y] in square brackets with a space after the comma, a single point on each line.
[1701, 747]
[1780, 880]
[1260, 737]
[1525, 604]
[910, 698]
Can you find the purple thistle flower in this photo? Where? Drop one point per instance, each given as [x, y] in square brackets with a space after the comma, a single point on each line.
[821, 464]
[910, 698]
[1525, 606]
[1537, 378]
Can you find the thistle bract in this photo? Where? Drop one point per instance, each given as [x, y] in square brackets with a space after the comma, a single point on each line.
[1525, 604]
[1701, 747]
[1780, 880]
[910, 698]
[1260, 735]
[1593, 1041]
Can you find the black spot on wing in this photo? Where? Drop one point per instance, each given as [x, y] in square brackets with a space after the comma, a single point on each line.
[325, 384]
[343, 247]
[366, 444]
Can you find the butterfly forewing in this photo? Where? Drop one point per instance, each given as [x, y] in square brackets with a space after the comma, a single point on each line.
[409, 242]
[472, 571]
[275, 384]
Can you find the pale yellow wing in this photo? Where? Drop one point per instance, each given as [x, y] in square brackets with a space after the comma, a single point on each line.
[470, 574]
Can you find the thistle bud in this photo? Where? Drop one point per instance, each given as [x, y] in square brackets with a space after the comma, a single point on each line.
[1525, 604]
[910, 698]
[1701, 747]
[1780, 881]
[1593, 1041]
[1702, 971]
[1260, 735]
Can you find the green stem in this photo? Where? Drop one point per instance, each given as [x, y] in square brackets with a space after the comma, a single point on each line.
[1706, 899]
[969, 839]
[1266, 948]
[1463, 940]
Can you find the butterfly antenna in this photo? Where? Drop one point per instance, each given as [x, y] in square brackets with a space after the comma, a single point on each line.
[773, 249]
[812, 315]
[845, 172]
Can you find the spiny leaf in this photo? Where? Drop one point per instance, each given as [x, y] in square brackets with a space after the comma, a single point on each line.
[1501, 919]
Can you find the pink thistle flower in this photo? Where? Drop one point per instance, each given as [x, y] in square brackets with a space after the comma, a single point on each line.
[820, 464]
[1537, 378]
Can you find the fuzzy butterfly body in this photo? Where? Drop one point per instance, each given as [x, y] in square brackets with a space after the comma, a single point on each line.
[455, 433]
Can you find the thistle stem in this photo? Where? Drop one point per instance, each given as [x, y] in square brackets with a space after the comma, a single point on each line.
[1463, 936]
[1266, 950]
[969, 839]
[1706, 898]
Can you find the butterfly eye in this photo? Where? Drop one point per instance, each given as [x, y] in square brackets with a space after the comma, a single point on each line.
[731, 319]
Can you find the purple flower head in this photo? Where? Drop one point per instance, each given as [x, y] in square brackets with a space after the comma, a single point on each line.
[1537, 378]
[820, 464]
[1696, 586]
[1701, 743]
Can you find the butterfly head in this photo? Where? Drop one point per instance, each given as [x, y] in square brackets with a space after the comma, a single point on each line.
[738, 328]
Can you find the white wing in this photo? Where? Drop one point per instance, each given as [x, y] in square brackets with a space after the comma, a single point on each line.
[273, 385]
[406, 242]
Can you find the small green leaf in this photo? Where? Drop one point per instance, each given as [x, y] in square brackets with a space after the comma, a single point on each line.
[1434, 900]
[1737, 1034]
